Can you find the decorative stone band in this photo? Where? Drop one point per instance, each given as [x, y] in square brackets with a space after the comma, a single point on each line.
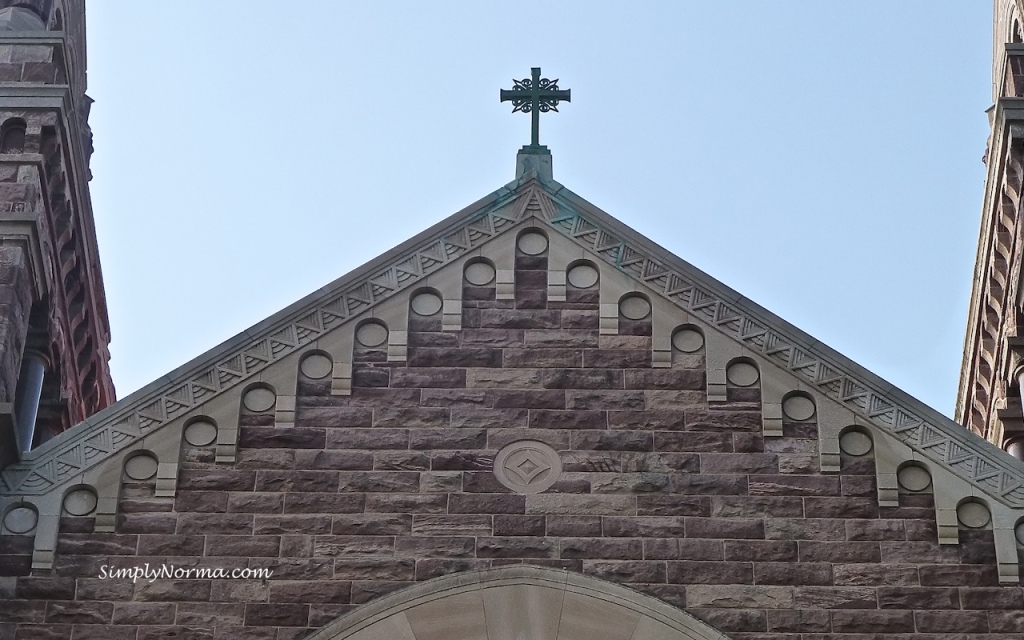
[125, 423]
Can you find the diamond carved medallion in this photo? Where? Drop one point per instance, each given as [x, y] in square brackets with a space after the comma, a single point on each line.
[527, 466]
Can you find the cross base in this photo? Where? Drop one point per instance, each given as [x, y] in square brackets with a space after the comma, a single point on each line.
[534, 158]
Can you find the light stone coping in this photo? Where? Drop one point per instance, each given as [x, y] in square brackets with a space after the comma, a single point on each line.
[726, 316]
[510, 603]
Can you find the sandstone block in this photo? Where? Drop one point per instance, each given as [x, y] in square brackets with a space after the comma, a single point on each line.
[736, 528]
[276, 615]
[739, 596]
[372, 524]
[706, 572]
[793, 573]
[435, 547]
[272, 437]
[761, 550]
[556, 419]
[452, 525]
[601, 548]
[588, 505]
[644, 571]
[951, 621]
[323, 503]
[517, 547]
[487, 503]
[839, 552]
[367, 439]
[275, 525]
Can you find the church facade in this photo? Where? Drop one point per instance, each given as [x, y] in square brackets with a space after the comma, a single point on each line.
[527, 421]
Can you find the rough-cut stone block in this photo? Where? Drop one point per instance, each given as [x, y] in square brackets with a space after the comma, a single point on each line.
[430, 547]
[389, 481]
[488, 503]
[918, 598]
[947, 622]
[307, 591]
[696, 441]
[643, 526]
[484, 418]
[276, 615]
[739, 596]
[710, 572]
[793, 573]
[453, 525]
[837, 552]
[401, 461]
[761, 550]
[626, 571]
[723, 420]
[601, 548]
[517, 547]
[757, 506]
[321, 481]
[799, 621]
[602, 440]
[709, 484]
[293, 438]
[736, 528]
[372, 524]
[555, 419]
[367, 439]
[411, 417]
[743, 463]
[323, 503]
[462, 460]
[673, 505]
[588, 505]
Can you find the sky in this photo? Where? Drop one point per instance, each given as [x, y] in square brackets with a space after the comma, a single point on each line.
[823, 159]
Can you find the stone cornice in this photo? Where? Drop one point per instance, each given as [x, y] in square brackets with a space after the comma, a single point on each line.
[892, 411]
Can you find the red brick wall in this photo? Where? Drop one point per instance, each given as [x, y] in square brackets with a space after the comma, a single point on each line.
[661, 492]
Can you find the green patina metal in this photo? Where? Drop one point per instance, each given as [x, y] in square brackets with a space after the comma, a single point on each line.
[535, 95]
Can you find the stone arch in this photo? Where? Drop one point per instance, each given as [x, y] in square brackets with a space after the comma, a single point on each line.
[520, 602]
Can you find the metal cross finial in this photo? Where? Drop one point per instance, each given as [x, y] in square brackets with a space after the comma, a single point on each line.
[534, 96]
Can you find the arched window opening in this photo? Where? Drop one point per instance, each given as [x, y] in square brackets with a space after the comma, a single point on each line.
[12, 136]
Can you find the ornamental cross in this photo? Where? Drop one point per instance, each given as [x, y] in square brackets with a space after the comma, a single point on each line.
[534, 96]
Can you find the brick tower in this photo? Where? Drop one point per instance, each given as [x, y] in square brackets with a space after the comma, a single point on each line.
[54, 330]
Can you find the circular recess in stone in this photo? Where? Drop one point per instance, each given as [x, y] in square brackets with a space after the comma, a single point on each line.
[582, 276]
[479, 274]
[426, 304]
[532, 244]
[973, 515]
[914, 478]
[142, 467]
[527, 466]
[1019, 531]
[634, 308]
[316, 366]
[20, 520]
[742, 374]
[855, 443]
[798, 408]
[259, 399]
[80, 502]
[372, 334]
[200, 433]
[688, 340]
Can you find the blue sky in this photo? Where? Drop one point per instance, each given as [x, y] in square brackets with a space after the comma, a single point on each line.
[821, 158]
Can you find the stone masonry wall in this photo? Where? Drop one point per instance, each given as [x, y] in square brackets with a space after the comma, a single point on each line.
[659, 491]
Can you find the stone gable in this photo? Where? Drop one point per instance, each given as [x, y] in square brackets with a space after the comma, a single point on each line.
[526, 402]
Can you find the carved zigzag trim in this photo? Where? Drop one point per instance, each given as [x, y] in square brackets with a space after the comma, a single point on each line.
[119, 427]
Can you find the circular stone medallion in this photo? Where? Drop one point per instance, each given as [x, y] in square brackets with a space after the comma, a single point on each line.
[80, 502]
[855, 443]
[316, 366]
[582, 276]
[20, 520]
[141, 467]
[372, 334]
[1020, 533]
[914, 478]
[527, 466]
[688, 340]
[742, 374]
[798, 408]
[973, 515]
[634, 308]
[532, 243]
[479, 274]
[426, 304]
[259, 399]
[200, 433]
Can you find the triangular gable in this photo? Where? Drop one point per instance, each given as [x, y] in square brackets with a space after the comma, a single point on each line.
[123, 425]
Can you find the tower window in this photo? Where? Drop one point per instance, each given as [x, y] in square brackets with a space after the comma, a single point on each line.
[12, 136]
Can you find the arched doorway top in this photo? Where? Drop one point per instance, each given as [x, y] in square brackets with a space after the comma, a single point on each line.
[511, 603]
